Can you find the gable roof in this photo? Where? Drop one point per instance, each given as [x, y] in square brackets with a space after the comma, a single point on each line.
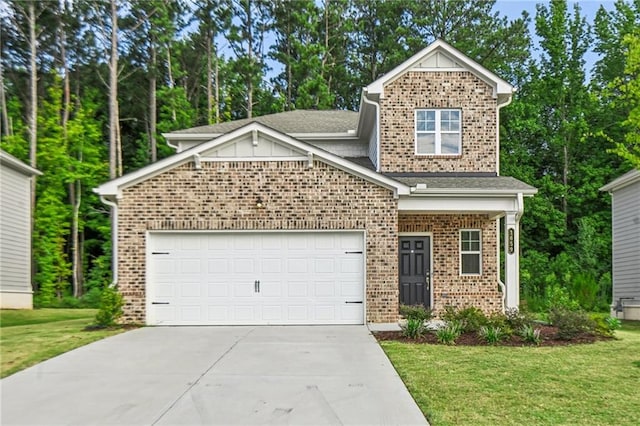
[114, 187]
[293, 123]
[440, 55]
[628, 178]
[12, 162]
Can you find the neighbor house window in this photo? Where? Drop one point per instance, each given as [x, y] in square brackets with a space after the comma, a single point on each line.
[438, 132]
[470, 252]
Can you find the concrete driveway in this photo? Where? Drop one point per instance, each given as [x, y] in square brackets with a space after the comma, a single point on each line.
[215, 375]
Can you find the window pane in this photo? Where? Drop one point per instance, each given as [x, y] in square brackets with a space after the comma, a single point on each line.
[449, 143]
[474, 245]
[426, 143]
[444, 115]
[470, 263]
[466, 245]
[454, 115]
[474, 235]
[464, 235]
[421, 115]
[421, 125]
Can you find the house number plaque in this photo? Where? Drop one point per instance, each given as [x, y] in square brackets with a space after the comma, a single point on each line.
[510, 241]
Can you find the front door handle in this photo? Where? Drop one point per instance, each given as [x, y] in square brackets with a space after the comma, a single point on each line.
[427, 279]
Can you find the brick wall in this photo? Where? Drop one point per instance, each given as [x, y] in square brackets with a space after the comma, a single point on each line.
[449, 288]
[222, 195]
[455, 89]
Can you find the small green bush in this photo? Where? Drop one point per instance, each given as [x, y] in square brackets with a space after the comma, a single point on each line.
[530, 334]
[559, 298]
[571, 323]
[449, 333]
[111, 303]
[470, 318]
[605, 325]
[491, 334]
[417, 312]
[413, 329]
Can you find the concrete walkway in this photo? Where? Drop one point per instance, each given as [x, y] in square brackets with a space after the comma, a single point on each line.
[215, 375]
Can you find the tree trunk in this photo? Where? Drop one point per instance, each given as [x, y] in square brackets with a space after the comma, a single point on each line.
[172, 84]
[249, 76]
[115, 150]
[152, 103]
[33, 117]
[217, 84]
[209, 78]
[6, 128]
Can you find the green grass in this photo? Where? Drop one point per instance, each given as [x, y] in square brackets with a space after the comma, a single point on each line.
[581, 384]
[30, 337]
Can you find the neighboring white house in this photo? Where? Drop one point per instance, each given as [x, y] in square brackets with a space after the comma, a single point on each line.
[625, 206]
[15, 233]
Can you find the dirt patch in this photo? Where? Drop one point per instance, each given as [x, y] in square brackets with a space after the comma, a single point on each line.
[548, 337]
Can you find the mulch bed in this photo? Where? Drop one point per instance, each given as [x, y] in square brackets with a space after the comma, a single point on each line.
[547, 334]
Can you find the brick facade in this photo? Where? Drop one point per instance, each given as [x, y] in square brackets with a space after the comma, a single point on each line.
[222, 196]
[449, 287]
[451, 89]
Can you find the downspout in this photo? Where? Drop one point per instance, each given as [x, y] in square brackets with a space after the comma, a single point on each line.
[377, 106]
[114, 240]
[498, 108]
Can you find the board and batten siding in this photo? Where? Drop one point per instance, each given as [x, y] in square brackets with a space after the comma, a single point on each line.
[15, 233]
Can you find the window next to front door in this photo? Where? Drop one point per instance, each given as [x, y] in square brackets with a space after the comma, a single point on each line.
[438, 132]
[470, 252]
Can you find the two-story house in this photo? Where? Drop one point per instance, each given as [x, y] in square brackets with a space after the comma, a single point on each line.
[328, 217]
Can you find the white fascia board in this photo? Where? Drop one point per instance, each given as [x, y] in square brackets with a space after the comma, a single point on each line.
[12, 162]
[324, 136]
[114, 187]
[462, 192]
[191, 136]
[626, 179]
[500, 85]
[468, 204]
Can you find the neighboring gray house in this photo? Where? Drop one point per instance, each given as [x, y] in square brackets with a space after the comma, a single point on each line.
[625, 206]
[15, 233]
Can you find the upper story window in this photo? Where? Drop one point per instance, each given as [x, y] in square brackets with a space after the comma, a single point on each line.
[438, 132]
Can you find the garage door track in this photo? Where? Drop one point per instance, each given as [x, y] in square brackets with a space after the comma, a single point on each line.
[215, 375]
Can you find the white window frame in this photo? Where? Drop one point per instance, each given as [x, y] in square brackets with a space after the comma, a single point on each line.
[437, 132]
[478, 252]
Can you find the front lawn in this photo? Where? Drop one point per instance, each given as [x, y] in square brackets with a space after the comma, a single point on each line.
[30, 337]
[579, 384]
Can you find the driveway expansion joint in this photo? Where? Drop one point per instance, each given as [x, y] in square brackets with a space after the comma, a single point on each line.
[195, 382]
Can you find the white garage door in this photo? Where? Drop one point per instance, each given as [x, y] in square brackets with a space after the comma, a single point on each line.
[255, 278]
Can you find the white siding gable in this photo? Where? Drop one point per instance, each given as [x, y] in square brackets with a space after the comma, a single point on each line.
[252, 146]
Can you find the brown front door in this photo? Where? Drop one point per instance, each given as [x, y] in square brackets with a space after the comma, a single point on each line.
[414, 271]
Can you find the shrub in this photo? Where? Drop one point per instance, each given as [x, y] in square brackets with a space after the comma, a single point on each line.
[471, 318]
[571, 323]
[518, 318]
[491, 334]
[449, 333]
[605, 325]
[416, 312]
[559, 298]
[584, 290]
[530, 334]
[413, 329]
[111, 303]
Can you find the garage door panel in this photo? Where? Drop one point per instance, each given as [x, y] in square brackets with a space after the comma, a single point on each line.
[324, 265]
[190, 266]
[298, 265]
[211, 278]
[191, 290]
[297, 289]
[217, 290]
[219, 265]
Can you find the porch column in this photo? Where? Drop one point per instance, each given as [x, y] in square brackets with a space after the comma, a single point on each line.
[512, 259]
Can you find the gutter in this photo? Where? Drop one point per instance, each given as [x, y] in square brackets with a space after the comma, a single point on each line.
[498, 108]
[377, 105]
[114, 240]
